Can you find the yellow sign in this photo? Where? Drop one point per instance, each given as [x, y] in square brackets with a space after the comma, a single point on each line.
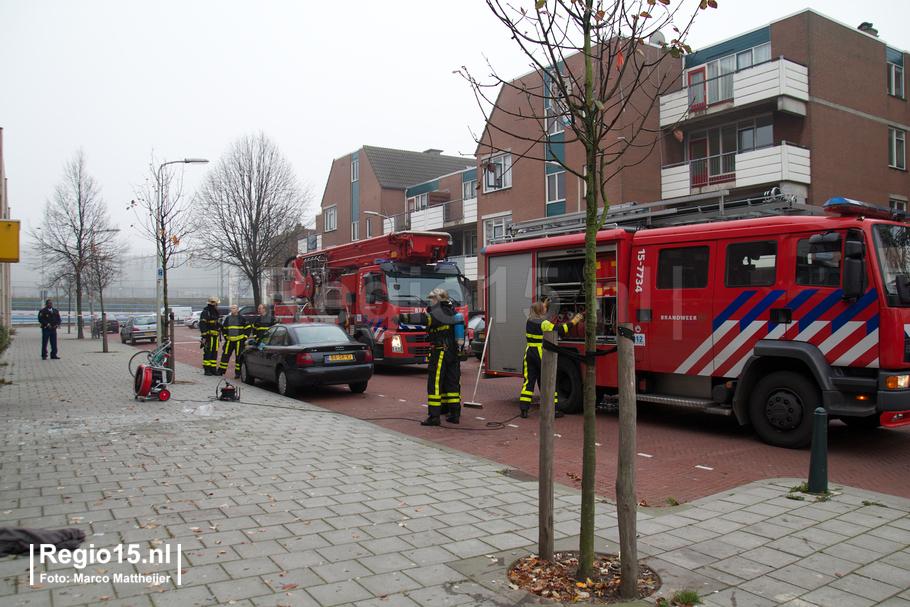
[9, 241]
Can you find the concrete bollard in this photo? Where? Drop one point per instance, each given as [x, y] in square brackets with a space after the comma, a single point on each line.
[818, 462]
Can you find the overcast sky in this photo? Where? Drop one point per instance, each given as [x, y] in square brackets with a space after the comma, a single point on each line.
[124, 79]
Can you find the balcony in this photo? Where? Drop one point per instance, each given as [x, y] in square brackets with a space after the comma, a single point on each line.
[467, 264]
[770, 165]
[779, 82]
[434, 217]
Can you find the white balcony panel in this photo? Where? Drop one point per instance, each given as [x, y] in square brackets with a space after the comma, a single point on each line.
[769, 80]
[674, 181]
[673, 107]
[467, 264]
[435, 217]
[773, 165]
[470, 210]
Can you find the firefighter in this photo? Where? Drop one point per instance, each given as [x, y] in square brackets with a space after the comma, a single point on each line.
[536, 325]
[234, 329]
[444, 373]
[260, 325]
[209, 327]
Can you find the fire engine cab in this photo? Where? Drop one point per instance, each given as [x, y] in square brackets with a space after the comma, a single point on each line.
[764, 319]
[362, 284]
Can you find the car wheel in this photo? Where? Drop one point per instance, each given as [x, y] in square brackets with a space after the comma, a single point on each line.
[245, 376]
[122, 339]
[284, 385]
[132, 340]
[358, 387]
[781, 409]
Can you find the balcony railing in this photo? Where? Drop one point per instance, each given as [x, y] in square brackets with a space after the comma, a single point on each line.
[712, 169]
[782, 80]
[434, 216]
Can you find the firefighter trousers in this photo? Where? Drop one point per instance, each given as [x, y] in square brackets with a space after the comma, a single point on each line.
[210, 353]
[231, 346]
[444, 383]
[532, 376]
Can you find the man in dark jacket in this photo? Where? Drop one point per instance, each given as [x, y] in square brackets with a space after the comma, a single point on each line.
[260, 325]
[234, 329]
[209, 327]
[49, 318]
[444, 372]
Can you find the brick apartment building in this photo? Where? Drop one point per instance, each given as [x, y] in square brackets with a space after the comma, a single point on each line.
[805, 104]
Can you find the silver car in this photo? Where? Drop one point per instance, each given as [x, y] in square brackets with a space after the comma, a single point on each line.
[137, 328]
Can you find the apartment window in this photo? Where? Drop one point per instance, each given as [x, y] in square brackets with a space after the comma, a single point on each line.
[355, 170]
[897, 205]
[895, 80]
[417, 203]
[331, 219]
[469, 189]
[355, 230]
[556, 193]
[755, 134]
[896, 149]
[497, 172]
[369, 227]
[713, 82]
[495, 228]
[554, 105]
[470, 243]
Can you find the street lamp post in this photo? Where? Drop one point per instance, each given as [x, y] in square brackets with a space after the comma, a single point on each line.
[159, 245]
[391, 222]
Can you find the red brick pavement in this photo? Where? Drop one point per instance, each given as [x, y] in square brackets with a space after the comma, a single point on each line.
[683, 454]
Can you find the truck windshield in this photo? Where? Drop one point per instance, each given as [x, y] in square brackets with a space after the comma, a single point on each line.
[409, 289]
[892, 247]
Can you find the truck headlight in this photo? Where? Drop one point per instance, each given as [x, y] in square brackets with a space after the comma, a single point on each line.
[396, 344]
[897, 382]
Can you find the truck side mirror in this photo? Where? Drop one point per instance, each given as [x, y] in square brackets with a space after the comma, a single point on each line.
[371, 298]
[854, 269]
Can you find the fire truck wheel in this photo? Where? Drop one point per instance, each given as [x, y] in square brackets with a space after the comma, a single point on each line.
[284, 385]
[781, 409]
[569, 386]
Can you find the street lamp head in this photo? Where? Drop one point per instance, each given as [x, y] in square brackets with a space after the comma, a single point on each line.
[195, 161]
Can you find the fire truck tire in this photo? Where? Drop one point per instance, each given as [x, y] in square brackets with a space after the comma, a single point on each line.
[284, 384]
[569, 386]
[781, 409]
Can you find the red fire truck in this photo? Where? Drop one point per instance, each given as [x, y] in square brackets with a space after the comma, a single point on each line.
[362, 284]
[764, 319]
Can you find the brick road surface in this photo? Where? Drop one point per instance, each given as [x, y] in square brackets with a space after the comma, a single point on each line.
[684, 454]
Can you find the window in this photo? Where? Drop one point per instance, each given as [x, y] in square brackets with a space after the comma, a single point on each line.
[556, 193]
[355, 170]
[495, 228]
[355, 230]
[469, 189]
[751, 264]
[497, 172]
[417, 203]
[896, 148]
[818, 266]
[554, 105]
[683, 268]
[331, 219]
[897, 204]
[713, 82]
[895, 80]
[755, 134]
[470, 243]
[369, 227]
[712, 153]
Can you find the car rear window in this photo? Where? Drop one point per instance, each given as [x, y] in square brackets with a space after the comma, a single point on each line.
[317, 334]
[144, 320]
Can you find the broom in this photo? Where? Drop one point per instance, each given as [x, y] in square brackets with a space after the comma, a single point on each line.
[471, 403]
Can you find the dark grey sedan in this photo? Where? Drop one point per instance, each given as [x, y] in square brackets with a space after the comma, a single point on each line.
[307, 354]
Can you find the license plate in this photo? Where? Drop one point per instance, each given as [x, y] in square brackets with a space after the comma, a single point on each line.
[338, 357]
[150, 333]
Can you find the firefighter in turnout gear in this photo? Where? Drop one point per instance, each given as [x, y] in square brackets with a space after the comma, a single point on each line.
[536, 325]
[444, 372]
[209, 328]
[235, 329]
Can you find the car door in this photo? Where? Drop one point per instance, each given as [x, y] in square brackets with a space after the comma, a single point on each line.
[254, 357]
[272, 351]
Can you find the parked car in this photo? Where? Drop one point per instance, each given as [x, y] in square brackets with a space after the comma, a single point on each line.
[137, 328]
[193, 321]
[307, 354]
[478, 322]
[113, 325]
[480, 336]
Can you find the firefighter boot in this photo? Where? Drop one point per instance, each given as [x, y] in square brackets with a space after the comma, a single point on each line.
[433, 420]
[454, 414]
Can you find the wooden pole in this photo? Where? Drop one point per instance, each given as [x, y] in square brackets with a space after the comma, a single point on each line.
[547, 411]
[626, 500]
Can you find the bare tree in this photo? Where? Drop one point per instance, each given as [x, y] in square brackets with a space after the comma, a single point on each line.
[164, 218]
[250, 208]
[104, 267]
[596, 80]
[73, 219]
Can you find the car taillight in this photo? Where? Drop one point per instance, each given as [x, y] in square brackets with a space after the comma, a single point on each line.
[368, 355]
[304, 359]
